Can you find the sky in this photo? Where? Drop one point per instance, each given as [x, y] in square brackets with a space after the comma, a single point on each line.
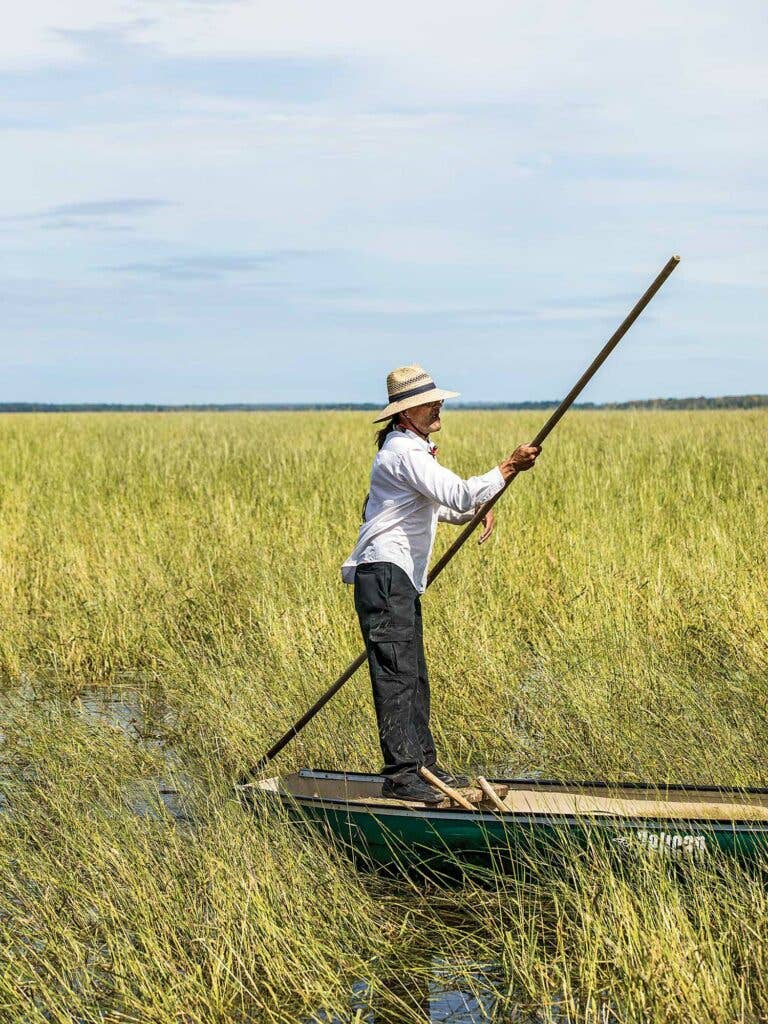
[242, 201]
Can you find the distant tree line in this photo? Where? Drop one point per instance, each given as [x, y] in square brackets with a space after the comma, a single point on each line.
[702, 402]
[720, 402]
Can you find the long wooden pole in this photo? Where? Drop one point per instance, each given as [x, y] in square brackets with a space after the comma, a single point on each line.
[481, 513]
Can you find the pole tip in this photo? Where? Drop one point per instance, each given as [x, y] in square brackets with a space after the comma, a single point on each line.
[676, 259]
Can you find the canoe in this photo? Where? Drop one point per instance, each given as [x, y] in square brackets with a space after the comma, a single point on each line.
[675, 821]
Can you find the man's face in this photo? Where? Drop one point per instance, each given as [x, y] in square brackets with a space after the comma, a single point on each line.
[426, 417]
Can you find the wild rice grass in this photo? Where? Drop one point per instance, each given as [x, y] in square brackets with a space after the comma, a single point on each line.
[614, 627]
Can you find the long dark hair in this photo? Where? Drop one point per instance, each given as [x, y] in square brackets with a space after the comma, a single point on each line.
[381, 437]
[385, 431]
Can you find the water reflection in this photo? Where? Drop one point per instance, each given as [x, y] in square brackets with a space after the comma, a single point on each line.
[435, 991]
[141, 718]
[147, 721]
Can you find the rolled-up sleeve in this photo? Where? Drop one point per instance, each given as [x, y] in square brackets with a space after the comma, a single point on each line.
[447, 515]
[448, 490]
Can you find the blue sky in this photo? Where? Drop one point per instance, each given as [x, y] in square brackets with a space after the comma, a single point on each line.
[280, 201]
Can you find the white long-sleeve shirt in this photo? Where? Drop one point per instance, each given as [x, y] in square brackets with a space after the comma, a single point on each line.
[409, 493]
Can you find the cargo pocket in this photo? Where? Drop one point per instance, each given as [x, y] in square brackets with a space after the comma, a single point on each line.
[389, 631]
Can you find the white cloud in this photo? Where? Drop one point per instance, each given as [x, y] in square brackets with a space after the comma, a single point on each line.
[467, 158]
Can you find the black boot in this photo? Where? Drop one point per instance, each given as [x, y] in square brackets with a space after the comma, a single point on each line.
[457, 781]
[411, 788]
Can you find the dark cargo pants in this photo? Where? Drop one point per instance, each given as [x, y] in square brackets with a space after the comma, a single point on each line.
[389, 611]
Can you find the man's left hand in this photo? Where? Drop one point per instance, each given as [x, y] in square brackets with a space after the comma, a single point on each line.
[488, 524]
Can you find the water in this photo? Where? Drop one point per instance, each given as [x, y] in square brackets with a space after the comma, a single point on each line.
[436, 994]
[147, 722]
[142, 720]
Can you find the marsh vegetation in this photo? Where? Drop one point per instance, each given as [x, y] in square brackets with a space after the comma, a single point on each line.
[614, 627]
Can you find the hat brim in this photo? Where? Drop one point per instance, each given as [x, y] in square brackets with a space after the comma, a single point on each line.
[435, 395]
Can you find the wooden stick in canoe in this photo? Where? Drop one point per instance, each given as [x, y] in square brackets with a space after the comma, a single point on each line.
[454, 794]
[492, 795]
[250, 773]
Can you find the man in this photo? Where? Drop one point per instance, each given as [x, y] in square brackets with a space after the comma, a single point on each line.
[409, 493]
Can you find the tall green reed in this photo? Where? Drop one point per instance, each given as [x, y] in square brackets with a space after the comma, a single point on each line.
[614, 627]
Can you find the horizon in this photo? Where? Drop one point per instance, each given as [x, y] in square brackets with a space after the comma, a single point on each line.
[727, 401]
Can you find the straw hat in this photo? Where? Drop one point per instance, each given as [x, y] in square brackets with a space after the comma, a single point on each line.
[408, 386]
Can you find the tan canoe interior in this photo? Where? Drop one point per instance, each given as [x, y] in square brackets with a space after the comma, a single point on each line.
[526, 798]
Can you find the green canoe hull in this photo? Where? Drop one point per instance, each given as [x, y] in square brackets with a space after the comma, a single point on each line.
[386, 835]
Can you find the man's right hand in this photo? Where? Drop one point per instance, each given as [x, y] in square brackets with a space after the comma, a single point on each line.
[522, 458]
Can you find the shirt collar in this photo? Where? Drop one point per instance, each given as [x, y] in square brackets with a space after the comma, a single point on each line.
[422, 442]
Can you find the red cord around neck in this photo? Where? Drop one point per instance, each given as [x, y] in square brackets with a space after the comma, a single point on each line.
[415, 429]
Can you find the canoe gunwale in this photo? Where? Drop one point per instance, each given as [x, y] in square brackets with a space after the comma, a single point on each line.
[524, 818]
[516, 818]
[675, 787]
